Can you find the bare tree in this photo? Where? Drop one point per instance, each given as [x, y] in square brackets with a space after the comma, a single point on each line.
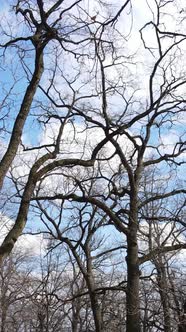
[106, 128]
[15, 278]
[83, 237]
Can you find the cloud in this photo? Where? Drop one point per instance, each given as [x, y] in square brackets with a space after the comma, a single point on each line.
[32, 245]
[162, 233]
[36, 245]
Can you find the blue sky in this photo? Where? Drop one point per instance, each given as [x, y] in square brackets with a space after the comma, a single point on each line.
[31, 131]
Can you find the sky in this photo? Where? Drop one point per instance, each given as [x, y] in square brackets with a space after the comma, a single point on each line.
[141, 14]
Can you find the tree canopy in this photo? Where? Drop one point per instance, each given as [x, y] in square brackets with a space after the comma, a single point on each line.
[93, 138]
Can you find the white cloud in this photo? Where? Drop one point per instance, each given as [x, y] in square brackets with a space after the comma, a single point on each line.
[36, 245]
[33, 245]
[162, 233]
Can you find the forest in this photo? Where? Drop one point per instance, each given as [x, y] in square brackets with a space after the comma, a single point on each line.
[92, 166]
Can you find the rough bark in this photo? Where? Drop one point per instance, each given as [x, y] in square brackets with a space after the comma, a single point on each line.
[132, 299]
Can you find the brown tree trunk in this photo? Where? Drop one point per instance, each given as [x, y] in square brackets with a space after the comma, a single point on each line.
[132, 303]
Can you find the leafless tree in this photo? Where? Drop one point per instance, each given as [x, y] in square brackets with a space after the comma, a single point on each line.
[106, 128]
[14, 290]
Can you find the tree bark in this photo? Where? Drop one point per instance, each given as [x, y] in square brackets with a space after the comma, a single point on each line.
[162, 285]
[132, 300]
[76, 308]
[3, 319]
[96, 310]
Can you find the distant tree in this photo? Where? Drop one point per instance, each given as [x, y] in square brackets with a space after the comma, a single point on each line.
[15, 280]
[88, 253]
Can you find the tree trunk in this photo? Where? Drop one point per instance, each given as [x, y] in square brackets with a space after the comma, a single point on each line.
[3, 318]
[162, 284]
[133, 314]
[180, 312]
[75, 315]
[13, 235]
[22, 116]
[132, 303]
[41, 319]
[96, 310]
[182, 323]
